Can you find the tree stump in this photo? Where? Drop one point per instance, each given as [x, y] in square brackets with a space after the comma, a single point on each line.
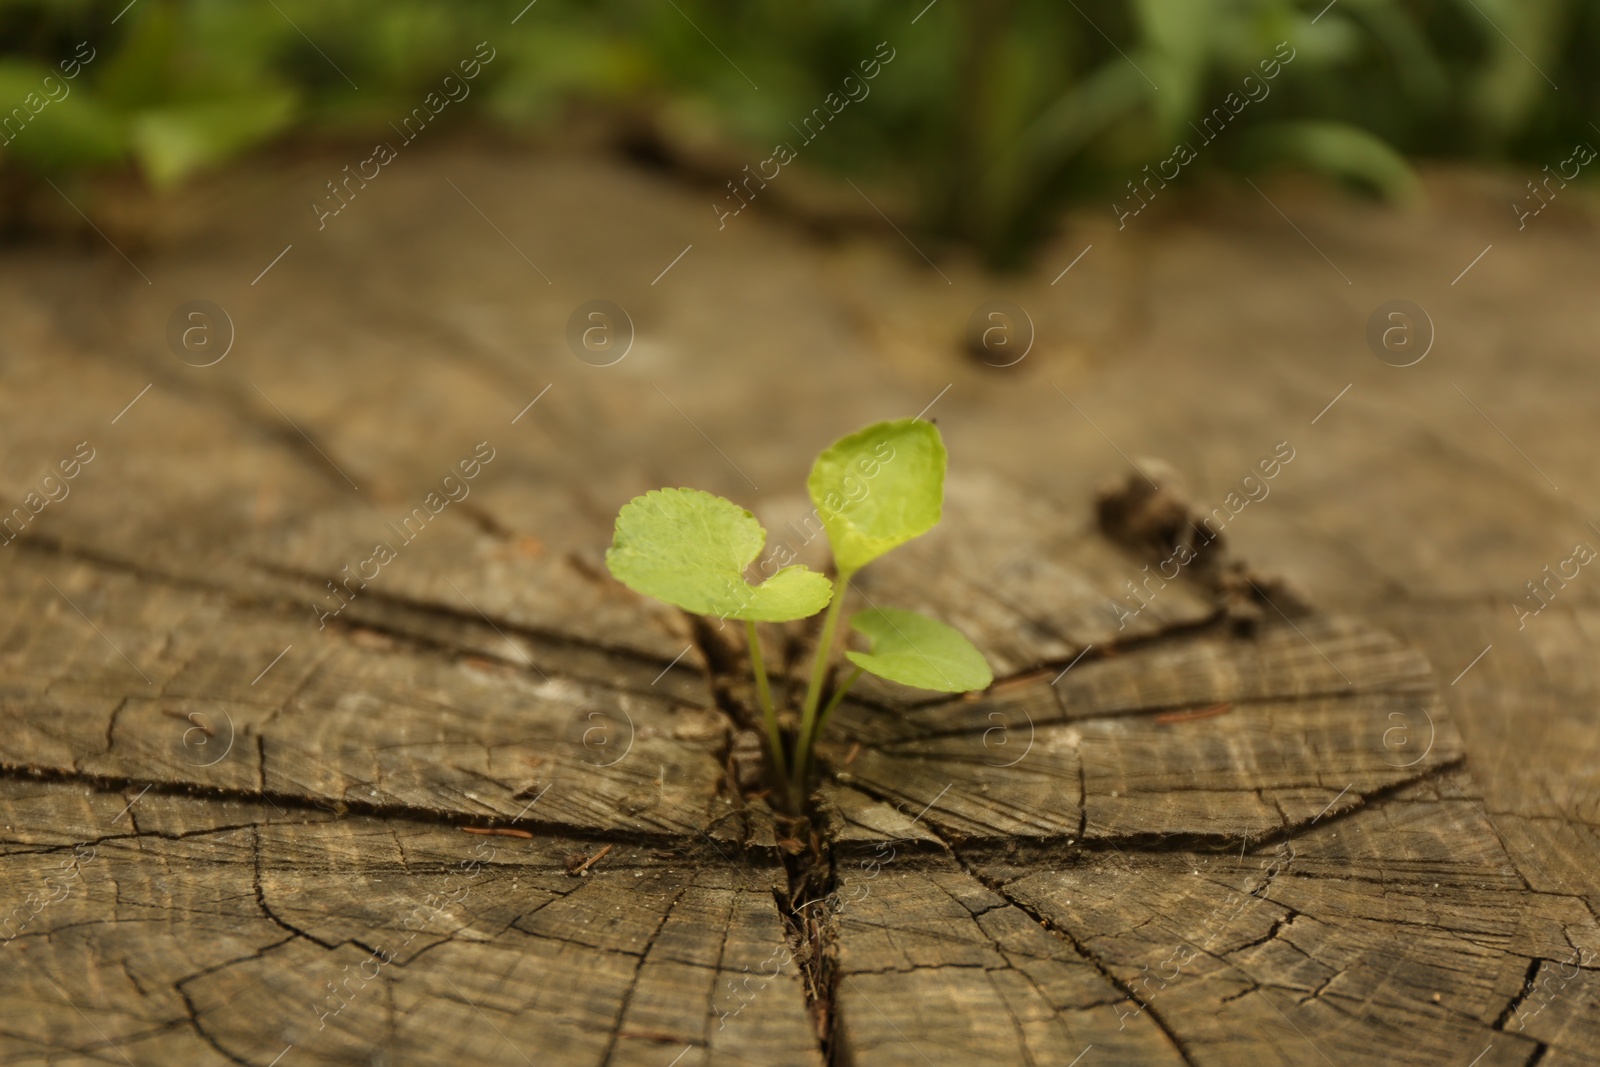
[330, 741]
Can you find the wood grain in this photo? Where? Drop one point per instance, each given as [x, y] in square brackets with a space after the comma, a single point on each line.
[1333, 836]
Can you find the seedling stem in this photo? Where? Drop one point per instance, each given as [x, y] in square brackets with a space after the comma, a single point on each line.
[764, 691]
[819, 672]
[833, 701]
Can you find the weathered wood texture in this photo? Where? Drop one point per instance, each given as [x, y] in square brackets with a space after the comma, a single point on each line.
[243, 814]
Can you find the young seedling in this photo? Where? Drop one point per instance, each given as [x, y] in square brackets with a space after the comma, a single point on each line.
[873, 491]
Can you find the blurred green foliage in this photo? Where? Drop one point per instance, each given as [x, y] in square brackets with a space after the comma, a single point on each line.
[992, 115]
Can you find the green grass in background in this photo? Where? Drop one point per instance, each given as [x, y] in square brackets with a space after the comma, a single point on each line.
[991, 116]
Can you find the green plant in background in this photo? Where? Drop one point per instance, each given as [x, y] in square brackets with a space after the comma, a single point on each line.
[173, 92]
[873, 490]
[993, 115]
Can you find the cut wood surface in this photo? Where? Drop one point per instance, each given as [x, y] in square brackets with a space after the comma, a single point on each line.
[328, 740]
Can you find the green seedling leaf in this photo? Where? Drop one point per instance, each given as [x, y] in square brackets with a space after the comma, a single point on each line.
[878, 488]
[690, 549]
[918, 651]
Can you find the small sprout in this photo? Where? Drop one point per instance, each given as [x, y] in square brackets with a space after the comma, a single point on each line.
[874, 490]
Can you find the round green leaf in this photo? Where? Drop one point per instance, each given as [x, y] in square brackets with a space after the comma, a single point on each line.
[878, 488]
[690, 549]
[918, 651]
